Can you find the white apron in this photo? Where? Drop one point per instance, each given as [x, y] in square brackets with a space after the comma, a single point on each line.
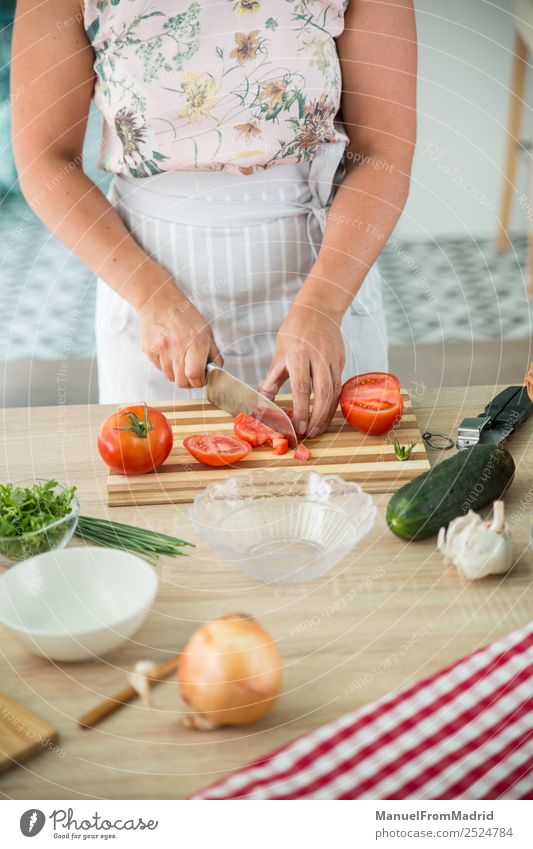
[239, 247]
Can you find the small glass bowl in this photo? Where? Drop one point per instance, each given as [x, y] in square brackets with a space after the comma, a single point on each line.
[56, 534]
[283, 526]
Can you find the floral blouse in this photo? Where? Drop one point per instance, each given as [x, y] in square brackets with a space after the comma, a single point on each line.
[236, 85]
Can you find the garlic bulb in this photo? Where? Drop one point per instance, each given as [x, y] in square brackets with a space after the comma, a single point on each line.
[476, 547]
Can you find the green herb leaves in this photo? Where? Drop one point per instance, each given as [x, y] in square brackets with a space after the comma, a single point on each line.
[25, 510]
[30, 518]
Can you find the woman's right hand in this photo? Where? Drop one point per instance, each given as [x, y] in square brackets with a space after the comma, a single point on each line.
[177, 338]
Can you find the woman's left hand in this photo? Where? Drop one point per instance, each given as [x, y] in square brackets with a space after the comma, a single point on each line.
[310, 352]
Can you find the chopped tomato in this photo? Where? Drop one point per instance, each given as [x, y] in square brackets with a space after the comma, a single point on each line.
[372, 402]
[252, 431]
[217, 450]
[280, 445]
[302, 452]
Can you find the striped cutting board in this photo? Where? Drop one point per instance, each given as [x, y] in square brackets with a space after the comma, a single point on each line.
[369, 460]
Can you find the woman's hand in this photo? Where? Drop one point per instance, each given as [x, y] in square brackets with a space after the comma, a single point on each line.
[310, 352]
[177, 338]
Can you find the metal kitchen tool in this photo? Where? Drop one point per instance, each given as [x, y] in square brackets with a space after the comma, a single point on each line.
[503, 415]
[438, 441]
[232, 395]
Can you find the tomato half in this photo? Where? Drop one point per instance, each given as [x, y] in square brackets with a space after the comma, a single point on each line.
[217, 450]
[372, 402]
[252, 431]
[136, 440]
[373, 382]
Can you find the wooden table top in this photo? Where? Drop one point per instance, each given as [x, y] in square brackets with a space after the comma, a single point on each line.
[388, 615]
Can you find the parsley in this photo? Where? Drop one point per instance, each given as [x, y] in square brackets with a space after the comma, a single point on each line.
[26, 514]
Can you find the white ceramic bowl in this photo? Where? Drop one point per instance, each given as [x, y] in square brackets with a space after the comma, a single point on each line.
[283, 526]
[76, 603]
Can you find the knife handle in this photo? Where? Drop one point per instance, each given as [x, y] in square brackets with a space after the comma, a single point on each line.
[497, 405]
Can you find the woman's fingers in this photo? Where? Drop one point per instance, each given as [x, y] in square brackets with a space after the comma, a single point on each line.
[275, 377]
[326, 387]
[179, 371]
[190, 368]
[153, 356]
[214, 355]
[300, 376]
[166, 364]
[196, 358]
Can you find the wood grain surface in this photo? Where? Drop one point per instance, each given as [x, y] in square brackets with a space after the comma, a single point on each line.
[387, 615]
[354, 456]
[22, 734]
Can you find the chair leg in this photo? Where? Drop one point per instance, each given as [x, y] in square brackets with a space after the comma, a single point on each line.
[516, 108]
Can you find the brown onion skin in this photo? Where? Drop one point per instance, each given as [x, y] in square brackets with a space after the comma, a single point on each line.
[230, 671]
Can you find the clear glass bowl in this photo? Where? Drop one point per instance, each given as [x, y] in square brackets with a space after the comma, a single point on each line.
[283, 526]
[56, 534]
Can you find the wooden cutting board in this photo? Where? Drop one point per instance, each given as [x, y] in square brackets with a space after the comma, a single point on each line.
[369, 460]
[22, 734]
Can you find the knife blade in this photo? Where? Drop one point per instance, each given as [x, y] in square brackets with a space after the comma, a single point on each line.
[230, 394]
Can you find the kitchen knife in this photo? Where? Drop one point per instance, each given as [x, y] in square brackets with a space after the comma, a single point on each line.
[503, 415]
[230, 394]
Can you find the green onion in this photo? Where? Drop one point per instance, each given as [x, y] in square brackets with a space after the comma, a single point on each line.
[128, 537]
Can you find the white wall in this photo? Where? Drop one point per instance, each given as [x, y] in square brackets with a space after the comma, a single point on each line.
[464, 75]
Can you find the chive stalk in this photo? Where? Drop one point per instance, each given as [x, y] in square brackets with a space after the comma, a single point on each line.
[129, 538]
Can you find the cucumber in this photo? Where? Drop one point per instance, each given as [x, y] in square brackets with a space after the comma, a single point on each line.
[467, 481]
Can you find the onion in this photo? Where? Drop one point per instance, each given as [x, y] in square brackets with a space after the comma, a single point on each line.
[229, 672]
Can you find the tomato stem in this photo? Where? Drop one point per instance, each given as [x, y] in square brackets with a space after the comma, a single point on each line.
[140, 427]
[403, 452]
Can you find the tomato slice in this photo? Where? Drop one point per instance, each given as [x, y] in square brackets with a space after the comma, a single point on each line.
[252, 431]
[280, 445]
[302, 452]
[372, 403]
[217, 449]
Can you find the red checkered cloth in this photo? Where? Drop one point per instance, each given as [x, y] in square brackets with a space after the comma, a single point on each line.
[464, 733]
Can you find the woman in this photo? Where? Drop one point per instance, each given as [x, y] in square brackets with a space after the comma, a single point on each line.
[244, 219]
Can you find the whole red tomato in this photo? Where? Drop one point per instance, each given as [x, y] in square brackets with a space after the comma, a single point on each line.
[136, 440]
